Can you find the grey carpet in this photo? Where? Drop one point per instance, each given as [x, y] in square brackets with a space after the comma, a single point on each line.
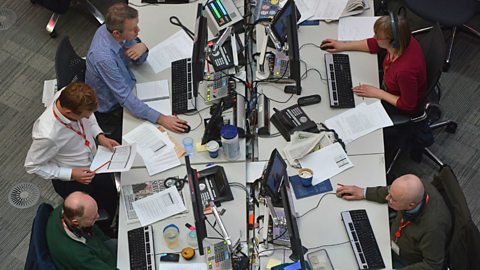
[27, 59]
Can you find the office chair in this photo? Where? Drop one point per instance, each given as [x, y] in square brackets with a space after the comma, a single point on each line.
[38, 257]
[450, 14]
[464, 245]
[420, 137]
[69, 67]
[61, 6]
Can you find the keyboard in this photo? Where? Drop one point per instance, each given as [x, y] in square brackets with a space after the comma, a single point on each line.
[218, 256]
[183, 99]
[140, 248]
[362, 239]
[339, 80]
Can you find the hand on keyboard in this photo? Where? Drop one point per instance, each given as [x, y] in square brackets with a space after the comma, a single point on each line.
[365, 90]
[350, 193]
[172, 123]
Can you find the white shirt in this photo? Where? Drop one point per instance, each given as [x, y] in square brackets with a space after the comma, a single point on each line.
[56, 149]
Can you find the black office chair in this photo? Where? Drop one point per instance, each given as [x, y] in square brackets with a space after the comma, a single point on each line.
[421, 127]
[38, 257]
[69, 67]
[61, 6]
[464, 245]
[450, 14]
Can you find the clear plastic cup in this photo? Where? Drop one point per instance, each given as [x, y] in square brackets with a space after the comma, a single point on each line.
[171, 235]
[192, 238]
[188, 145]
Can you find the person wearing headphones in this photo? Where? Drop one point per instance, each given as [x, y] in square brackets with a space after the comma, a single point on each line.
[420, 231]
[405, 75]
[73, 239]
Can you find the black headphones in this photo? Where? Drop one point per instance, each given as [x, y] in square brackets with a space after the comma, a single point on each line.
[394, 22]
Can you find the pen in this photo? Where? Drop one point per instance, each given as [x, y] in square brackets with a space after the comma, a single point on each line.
[342, 185]
[101, 166]
[159, 148]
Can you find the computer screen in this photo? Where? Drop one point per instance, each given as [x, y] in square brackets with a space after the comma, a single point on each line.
[280, 21]
[273, 176]
[298, 251]
[199, 44]
[293, 53]
[197, 206]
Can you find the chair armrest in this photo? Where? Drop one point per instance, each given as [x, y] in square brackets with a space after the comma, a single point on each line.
[399, 119]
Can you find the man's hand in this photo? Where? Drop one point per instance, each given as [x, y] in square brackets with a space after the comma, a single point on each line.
[82, 175]
[350, 193]
[107, 142]
[136, 51]
[367, 91]
[172, 123]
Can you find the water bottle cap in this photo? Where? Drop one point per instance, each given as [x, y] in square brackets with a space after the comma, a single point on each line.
[228, 132]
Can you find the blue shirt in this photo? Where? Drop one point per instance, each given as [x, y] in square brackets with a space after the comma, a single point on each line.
[111, 78]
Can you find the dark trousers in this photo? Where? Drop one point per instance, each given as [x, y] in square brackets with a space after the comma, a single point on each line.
[111, 123]
[102, 189]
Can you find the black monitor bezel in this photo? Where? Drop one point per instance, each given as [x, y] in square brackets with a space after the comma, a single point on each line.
[281, 16]
[199, 55]
[294, 52]
[274, 195]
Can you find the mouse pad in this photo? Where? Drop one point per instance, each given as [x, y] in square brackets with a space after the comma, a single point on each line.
[303, 192]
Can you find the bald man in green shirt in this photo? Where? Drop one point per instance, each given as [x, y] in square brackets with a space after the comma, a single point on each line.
[421, 230]
[73, 239]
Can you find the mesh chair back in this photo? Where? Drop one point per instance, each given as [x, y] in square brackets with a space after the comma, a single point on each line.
[38, 257]
[433, 46]
[69, 67]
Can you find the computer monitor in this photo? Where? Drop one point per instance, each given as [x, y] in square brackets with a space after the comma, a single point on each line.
[293, 54]
[199, 44]
[214, 124]
[298, 251]
[197, 206]
[280, 21]
[273, 177]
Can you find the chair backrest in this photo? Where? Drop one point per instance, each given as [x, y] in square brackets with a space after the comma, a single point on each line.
[38, 257]
[464, 245]
[69, 67]
[433, 46]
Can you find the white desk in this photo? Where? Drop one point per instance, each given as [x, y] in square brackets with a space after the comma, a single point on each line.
[235, 222]
[323, 226]
[364, 69]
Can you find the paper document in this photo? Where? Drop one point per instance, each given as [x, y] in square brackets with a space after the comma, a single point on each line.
[326, 162]
[118, 160]
[49, 89]
[154, 146]
[176, 47]
[135, 192]
[255, 170]
[153, 90]
[183, 266]
[359, 121]
[356, 28]
[159, 206]
[163, 106]
[329, 9]
[306, 8]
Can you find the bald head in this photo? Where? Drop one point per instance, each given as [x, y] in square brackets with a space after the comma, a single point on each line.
[80, 208]
[406, 192]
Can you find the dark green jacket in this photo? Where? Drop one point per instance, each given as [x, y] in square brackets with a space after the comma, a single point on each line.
[423, 242]
[68, 253]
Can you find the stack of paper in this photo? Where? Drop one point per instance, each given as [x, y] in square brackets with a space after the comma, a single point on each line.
[359, 121]
[49, 89]
[356, 28]
[176, 47]
[118, 160]
[156, 95]
[154, 146]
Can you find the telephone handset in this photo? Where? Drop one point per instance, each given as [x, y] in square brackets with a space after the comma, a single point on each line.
[292, 119]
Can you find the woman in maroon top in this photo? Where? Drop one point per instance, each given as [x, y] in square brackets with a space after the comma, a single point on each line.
[405, 78]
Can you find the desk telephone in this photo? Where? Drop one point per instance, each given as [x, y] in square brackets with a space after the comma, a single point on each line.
[221, 57]
[292, 119]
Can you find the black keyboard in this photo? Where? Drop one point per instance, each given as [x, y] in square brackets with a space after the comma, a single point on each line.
[183, 99]
[362, 239]
[339, 80]
[140, 248]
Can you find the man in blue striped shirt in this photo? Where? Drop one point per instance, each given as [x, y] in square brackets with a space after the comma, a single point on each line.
[114, 46]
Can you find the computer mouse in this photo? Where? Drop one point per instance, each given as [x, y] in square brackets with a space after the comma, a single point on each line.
[343, 194]
[325, 47]
[187, 129]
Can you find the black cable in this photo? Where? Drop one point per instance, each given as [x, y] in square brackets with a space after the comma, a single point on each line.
[280, 236]
[178, 23]
[318, 203]
[213, 227]
[309, 44]
[328, 245]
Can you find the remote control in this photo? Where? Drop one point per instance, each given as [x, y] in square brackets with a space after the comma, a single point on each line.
[309, 100]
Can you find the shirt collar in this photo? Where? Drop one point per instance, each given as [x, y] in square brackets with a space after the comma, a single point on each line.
[59, 114]
[114, 44]
[81, 239]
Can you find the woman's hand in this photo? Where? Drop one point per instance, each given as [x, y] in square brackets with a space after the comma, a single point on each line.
[365, 90]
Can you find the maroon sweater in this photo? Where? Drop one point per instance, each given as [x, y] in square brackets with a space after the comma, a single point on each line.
[406, 77]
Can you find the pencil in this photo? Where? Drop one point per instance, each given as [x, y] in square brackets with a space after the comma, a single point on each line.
[101, 166]
[342, 185]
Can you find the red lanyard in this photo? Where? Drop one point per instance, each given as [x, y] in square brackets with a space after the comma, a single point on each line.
[81, 134]
[404, 224]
